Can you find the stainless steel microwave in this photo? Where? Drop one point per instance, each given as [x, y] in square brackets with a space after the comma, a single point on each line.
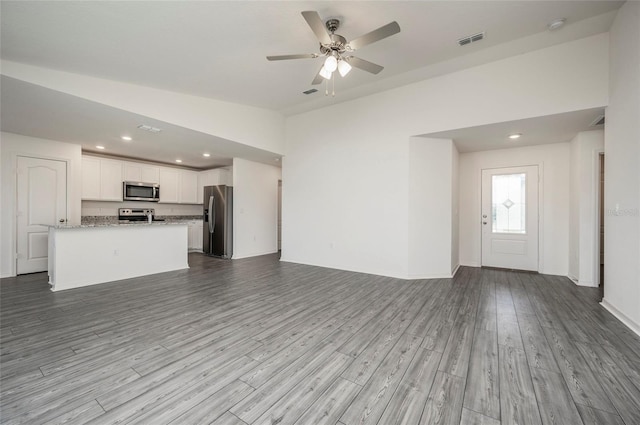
[137, 191]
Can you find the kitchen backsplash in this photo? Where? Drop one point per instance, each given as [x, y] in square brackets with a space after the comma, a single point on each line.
[110, 219]
[110, 209]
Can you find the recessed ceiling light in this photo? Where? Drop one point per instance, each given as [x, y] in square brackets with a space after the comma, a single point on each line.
[178, 160]
[515, 136]
[554, 25]
[126, 138]
[99, 147]
[206, 155]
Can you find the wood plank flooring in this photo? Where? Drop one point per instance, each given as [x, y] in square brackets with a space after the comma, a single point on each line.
[259, 342]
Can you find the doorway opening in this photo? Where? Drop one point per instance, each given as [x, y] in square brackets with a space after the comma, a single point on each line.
[601, 219]
[279, 216]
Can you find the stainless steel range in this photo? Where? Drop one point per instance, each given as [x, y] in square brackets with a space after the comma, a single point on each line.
[126, 215]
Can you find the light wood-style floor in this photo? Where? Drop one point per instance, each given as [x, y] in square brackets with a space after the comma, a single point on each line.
[257, 341]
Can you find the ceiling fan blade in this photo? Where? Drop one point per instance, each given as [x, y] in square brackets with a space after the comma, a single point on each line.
[375, 35]
[364, 65]
[319, 78]
[317, 26]
[287, 57]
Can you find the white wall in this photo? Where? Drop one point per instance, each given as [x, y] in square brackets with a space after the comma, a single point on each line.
[574, 211]
[553, 167]
[255, 208]
[455, 209]
[345, 197]
[222, 119]
[345, 192]
[431, 225]
[622, 165]
[12, 146]
[584, 264]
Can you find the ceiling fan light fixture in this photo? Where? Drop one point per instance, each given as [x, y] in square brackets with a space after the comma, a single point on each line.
[324, 73]
[331, 63]
[333, 46]
[343, 67]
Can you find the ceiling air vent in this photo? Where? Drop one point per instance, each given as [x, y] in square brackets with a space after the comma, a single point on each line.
[598, 121]
[471, 39]
[149, 128]
[310, 91]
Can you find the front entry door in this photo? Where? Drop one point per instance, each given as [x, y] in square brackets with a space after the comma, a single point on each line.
[510, 218]
[42, 199]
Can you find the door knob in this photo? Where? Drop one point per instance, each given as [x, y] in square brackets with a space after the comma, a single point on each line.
[62, 220]
[484, 216]
[484, 222]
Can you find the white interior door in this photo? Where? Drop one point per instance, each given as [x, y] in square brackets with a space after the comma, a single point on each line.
[510, 218]
[41, 200]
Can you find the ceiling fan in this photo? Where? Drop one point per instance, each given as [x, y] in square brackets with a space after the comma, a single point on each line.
[336, 49]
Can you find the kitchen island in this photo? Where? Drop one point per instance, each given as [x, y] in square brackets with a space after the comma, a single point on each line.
[88, 254]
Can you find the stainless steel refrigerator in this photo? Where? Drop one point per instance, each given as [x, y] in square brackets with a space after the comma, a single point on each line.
[218, 221]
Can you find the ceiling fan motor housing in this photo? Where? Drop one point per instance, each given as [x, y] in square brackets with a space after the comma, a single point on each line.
[332, 25]
[338, 44]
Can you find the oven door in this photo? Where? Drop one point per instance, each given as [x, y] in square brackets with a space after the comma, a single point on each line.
[141, 192]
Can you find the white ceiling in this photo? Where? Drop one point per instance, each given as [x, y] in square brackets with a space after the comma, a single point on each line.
[557, 128]
[39, 112]
[217, 49]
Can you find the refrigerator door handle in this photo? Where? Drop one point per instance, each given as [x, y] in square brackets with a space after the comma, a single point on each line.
[212, 214]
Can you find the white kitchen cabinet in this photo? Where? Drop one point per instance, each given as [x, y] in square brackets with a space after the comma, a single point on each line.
[188, 193]
[138, 172]
[195, 235]
[101, 179]
[110, 180]
[90, 178]
[213, 177]
[178, 186]
[169, 185]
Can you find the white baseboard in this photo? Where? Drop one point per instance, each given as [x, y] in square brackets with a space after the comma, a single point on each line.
[422, 277]
[346, 269]
[630, 323]
[455, 270]
[578, 282]
[355, 270]
[470, 264]
[256, 254]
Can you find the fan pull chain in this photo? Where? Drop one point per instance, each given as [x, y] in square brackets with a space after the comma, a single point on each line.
[326, 87]
[333, 85]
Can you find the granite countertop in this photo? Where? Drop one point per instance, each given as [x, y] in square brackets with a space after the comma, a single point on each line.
[94, 220]
[116, 224]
